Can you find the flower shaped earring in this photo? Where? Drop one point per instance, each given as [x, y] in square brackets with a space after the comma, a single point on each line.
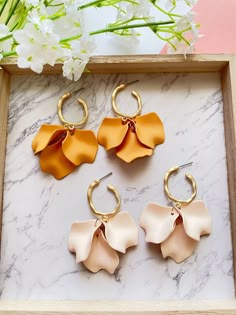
[178, 228]
[132, 136]
[63, 148]
[96, 242]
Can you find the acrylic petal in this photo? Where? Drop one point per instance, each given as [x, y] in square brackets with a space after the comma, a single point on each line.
[178, 245]
[80, 238]
[150, 130]
[111, 132]
[158, 222]
[53, 161]
[121, 231]
[80, 147]
[131, 148]
[45, 134]
[101, 255]
[196, 219]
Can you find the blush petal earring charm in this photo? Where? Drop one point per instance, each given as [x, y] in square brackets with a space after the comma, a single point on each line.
[63, 148]
[177, 228]
[96, 242]
[132, 136]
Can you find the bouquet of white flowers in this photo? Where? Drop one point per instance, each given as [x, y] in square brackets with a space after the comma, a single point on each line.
[49, 31]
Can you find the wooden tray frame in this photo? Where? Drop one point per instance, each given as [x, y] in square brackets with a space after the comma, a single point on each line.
[226, 66]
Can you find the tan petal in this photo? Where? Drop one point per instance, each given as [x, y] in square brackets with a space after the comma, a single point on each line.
[178, 245]
[150, 130]
[80, 147]
[45, 134]
[101, 255]
[131, 148]
[111, 132]
[53, 161]
[121, 231]
[196, 219]
[158, 222]
[80, 238]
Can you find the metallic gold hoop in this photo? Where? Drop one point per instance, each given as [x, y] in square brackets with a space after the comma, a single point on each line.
[189, 177]
[66, 122]
[103, 215]
[114, 106]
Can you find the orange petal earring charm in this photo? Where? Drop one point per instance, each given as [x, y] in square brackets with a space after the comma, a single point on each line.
[63, 148]
[96, 242]
[177, 229]
[132, 136]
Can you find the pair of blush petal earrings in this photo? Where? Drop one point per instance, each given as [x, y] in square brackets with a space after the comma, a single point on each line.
[63, 148]
[177, 229]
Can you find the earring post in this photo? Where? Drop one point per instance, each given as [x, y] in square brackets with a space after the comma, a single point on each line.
[104, 177]
[129, 83]
[186, 165]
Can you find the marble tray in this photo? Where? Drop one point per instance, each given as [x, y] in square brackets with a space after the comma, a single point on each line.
[195, 98]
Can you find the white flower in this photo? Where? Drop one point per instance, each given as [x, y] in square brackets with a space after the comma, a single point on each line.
[129, 10]
[5, 45]
[29, 3]
[80, 52]
[36, 48]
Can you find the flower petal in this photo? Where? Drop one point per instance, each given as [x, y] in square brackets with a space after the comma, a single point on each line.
[150, 130]
[101, 255]
[131, 148]
[80, 238]
[158, 222]
[80, 147]
[53, 161]
[111, 132]
[178, 245]
[121, 232]
[196, 219]
[45, 134]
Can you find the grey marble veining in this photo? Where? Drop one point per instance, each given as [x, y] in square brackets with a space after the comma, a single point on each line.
[39, 210]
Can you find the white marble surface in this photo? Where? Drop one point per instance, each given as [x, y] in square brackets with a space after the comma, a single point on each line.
[38, 210]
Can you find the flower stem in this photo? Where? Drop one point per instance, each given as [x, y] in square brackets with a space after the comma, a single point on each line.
[116, 28]
[2, 39]
[9, 54]
[3, 7]
[12, 11]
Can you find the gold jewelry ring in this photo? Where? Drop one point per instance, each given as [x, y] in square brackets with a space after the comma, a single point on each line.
[114, 106]
[60, 115]
[189, 177]
[103, 215]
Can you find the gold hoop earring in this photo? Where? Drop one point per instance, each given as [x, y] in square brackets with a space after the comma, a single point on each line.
[103, 215]
[66, 123]
[178, 228]
[63, 148]
[96, 242]
[132, 136]
[114, 106]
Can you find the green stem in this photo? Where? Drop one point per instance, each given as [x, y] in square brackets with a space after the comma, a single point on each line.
[12, 11]
[10, 53]
[3, 7]
[2, 39]
[116, 28]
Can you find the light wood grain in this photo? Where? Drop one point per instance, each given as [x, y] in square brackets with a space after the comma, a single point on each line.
[137, 64]
[228, 79]
[4, 95]
[227, 307]
[226, 65]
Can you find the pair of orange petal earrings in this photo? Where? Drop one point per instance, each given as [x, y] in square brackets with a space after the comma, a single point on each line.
[177, 229]
[63, 148]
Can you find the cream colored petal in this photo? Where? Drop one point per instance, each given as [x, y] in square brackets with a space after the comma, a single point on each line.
[158, 222]
[101, 256]
[121, 231]
[80, 238]
[196, 219]
[178, 245]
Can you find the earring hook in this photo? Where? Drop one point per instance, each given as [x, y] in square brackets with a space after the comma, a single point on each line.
[189, 177]
[134, 93]
[66, 123]
[103, 215]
